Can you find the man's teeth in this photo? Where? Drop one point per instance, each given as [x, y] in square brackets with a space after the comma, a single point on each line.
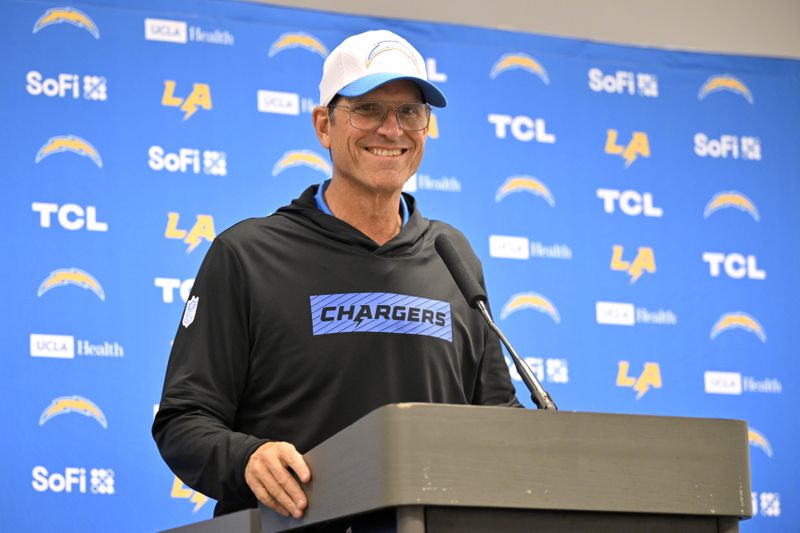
[384, 152]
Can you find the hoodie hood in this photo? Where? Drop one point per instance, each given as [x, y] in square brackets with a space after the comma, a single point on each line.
[303, 210]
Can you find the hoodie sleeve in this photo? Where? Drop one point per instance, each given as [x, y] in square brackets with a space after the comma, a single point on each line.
[206, 374]
[494, 386]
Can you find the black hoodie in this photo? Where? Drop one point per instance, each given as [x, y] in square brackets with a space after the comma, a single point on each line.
[298, 325]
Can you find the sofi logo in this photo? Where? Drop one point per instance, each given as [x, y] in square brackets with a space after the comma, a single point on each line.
[74, 480]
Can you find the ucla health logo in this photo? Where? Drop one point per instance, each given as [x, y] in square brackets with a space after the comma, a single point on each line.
[530, 301]
[69, 15]
[380, 312]
[302, 158]
[527, 184]
[304, 41]
[727, 199]
[177, 31]
[644, 261]
[725, 83]
[71, 276]
[67, 85]
[649, 377]
[73, 404]
[201, 230]
[758, 440]
[637, 146]
[69, 143]
[519, 61]
[738, 320]
[198, 98]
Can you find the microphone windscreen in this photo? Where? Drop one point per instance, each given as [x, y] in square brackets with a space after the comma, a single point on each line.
[463, 277]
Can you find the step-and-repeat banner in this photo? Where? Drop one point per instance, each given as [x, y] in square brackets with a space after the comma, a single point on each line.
[635, 211]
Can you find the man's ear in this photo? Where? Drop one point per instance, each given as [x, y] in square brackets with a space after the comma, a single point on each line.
[322, 124]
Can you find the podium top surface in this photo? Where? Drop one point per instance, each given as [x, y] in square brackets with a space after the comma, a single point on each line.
[455, 455]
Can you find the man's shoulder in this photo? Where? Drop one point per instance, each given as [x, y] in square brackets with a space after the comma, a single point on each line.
[251, 229]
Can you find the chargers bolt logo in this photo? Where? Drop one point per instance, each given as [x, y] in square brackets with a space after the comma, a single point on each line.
[738, 320]
[73, 404]
[759, 441]
[725, 82]
[527, 184]
[298, 40]
[71, 276]
[519, 61]
[296, 158]
[725, 199]
[70, 15]
[69, 143]
[393, 46]
[530, 300]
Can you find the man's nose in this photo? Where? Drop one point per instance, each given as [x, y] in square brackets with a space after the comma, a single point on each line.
[390, 126]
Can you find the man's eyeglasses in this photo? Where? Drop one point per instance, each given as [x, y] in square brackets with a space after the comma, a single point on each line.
[370, 115]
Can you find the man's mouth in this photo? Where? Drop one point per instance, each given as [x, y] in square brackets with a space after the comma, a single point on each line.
[383, 152]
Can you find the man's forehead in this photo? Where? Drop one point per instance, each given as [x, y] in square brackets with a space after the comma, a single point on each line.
[398, 90]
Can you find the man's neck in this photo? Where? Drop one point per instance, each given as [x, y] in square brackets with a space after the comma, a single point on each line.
[376, 215]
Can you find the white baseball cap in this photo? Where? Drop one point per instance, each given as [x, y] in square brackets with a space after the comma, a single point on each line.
[368, 60]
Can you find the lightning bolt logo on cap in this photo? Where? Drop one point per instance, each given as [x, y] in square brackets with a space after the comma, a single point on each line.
[738, 320]
[759, 441]
[296, 158]
[298, 40]
[530, 300]
[73, 404]
[69, 143]
[725, 82]
[70, 15]
[724, 199]
[519, 61]
[389, 46]
[527, 184]
[71, 276]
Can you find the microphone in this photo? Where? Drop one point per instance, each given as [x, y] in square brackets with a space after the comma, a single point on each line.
[476, 298]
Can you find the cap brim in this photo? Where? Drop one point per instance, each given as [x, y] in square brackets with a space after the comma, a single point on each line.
[430, 92]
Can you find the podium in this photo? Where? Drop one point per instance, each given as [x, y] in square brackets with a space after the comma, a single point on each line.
[416, 468]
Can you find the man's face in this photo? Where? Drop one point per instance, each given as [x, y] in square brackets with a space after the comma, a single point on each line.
[380, 160]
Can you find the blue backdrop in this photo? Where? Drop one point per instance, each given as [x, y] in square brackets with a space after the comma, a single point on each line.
[634, 209]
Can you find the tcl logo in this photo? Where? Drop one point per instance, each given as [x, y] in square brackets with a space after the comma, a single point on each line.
[736, 266]
[522, 128]
[631, 203]
[70, 216]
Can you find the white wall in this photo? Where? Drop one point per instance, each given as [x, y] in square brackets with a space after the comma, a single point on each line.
[765, 27]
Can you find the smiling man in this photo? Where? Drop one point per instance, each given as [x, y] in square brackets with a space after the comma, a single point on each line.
[302, 322]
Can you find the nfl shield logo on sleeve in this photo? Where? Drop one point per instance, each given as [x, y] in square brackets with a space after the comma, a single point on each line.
[191, 309]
